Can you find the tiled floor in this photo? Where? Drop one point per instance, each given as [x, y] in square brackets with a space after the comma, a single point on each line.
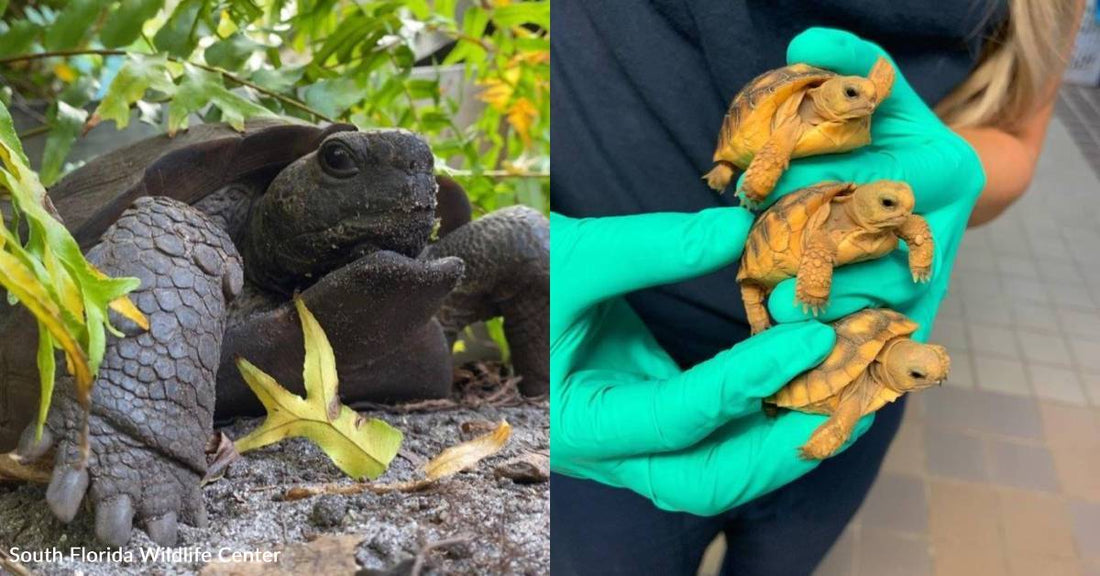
[998, 472]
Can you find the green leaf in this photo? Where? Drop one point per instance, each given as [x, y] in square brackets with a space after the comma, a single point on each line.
[139, 74]
[279, 79]
[520, 13]
[67, 123]
[361, 448]
[47, 368]
[73, 24]
[179, 35]
[199, 88]
[17, 37]
[333, 97]
[124, 25]
[232, 52]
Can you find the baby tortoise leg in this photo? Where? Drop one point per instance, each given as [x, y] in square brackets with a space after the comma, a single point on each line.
[918, 237]
[152, 406]
[720, 176]
[830, 436]
[769, 163]
[507, 256]
[815, 273]
[754, 296]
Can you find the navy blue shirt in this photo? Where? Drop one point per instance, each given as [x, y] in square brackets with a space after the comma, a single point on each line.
[640, 89]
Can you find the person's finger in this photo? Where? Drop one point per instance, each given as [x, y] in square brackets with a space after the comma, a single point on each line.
[614, 413]
[941, 172]
[597, 258]
[848, 54]
[746, 459]
[885, 282]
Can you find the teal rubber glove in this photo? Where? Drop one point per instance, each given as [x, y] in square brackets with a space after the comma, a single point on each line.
[623, 413]
[909, 143]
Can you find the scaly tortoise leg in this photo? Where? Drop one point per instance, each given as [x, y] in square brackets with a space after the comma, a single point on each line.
[769, 163]
[830, 436]
[720, 176]
[754, 296]
[815, 273]
[918, 237]
[152, 405]
[507, 256]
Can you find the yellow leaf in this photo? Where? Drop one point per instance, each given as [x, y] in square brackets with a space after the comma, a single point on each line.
[467, 454]
[64, 72]
[360, 447]
[496, 94]
[521, 115]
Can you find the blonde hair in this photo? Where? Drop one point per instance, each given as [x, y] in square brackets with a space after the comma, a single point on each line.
[1018, 63]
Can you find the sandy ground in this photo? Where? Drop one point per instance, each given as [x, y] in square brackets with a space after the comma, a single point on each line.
[506, 524]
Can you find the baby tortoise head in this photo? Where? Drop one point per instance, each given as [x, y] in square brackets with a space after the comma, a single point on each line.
[882, 205]
[358, 193]
[851, 97]
[912, 365]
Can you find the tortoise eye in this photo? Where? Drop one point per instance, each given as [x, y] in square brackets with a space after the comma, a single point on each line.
[851, 92]
[915, 374]
[888, 202]
[338, 161]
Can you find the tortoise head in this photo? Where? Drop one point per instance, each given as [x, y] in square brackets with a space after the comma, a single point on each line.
[852, 97]
[882, 205]
[912, 365]
[358, 193]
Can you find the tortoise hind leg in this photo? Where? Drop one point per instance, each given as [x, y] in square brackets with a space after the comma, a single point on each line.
[507, 256]
[754, 297]
[720, 176]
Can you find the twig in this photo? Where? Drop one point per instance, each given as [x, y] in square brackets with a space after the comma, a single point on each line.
[35, 132]
[422, 555]
[223, 72]
[9, 563]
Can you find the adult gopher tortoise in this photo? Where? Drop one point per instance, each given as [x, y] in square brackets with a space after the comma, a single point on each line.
[223, 229]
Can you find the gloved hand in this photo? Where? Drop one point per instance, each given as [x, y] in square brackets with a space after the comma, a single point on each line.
[623, 413]
[909, 143]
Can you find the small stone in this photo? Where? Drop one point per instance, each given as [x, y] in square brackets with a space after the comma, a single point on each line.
[328, 512]
[529, 468]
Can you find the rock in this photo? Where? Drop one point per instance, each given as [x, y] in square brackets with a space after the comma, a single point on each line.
[329, 511]
[528, 468]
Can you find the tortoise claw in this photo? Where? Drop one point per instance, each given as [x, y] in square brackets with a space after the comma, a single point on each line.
[922, 276]
[749, 203]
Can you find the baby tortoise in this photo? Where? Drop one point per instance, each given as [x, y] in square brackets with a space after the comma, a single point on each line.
[873, 363]
[810, 231]
[791, 112]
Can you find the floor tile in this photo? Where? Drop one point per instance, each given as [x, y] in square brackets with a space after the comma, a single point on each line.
[840, 561]
[993, 340]
[962, 369]
[1036, 523]
[1040, 565]
[988, 309]
[906, 453]
[1091, 382]
[956, 559]
[1001, 375]
[1086, 352]
[1017, 266]
[983, 411]
[1044, 348]
[1059, 271]
[1025, 290]
[1086, 528]
[1036, 317]
[1069, 426]
[1077, 322]
[1078, 469]
[883, 553]
[1055, 383]
[950, 332]
[896, 502]
[1021, 466]
[964, 512]
[1072, 295]
[952, 454]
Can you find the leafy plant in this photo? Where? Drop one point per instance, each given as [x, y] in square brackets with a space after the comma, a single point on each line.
[360, 447]
[46, 273]
[382, 63]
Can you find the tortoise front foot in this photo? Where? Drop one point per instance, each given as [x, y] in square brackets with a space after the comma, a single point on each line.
[921, 274]
[152, 405]
[719, 177]
[825, 441]
[748, 202]
[810, 303]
